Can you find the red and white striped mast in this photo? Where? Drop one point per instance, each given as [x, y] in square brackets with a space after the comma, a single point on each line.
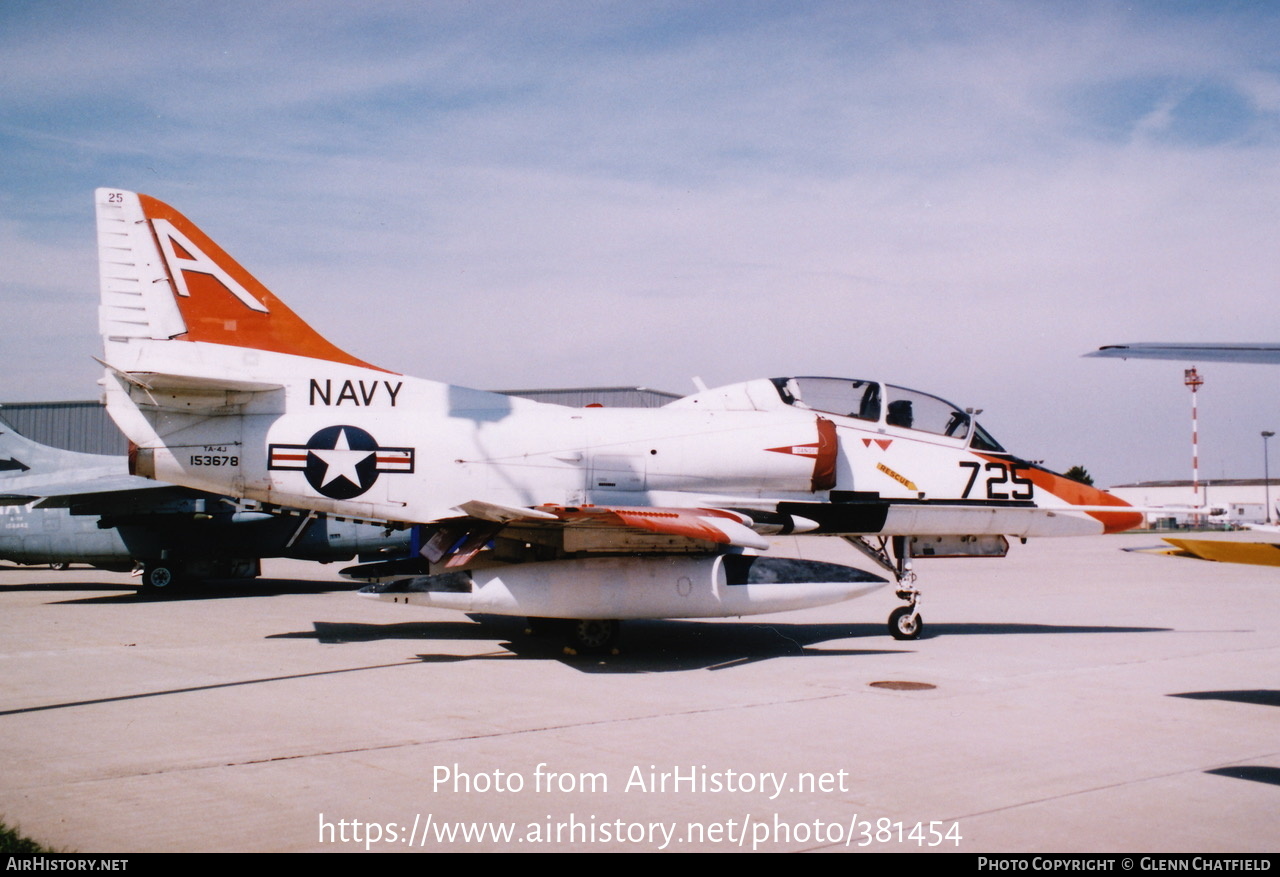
[1193, 380]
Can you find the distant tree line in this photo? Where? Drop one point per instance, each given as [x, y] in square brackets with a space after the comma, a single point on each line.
[1079, 473]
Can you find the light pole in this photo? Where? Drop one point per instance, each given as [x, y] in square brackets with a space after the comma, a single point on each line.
[1193, 380]
[1266, 471]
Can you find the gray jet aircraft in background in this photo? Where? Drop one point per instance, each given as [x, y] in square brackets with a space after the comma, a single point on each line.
[60, 507]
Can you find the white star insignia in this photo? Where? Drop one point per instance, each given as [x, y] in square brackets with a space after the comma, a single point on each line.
[341, 461]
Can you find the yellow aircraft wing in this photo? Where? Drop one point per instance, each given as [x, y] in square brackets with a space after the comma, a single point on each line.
[1259, 553]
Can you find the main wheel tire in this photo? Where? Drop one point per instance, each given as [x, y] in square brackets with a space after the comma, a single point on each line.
[904, 623]
[593, 636]
[159, 578]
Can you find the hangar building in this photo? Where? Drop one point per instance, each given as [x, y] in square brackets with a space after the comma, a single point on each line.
[1241, 500]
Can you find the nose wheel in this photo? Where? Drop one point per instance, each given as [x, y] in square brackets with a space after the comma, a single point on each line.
[905, 622]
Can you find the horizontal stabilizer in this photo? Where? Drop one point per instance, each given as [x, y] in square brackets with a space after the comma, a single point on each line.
[189, 393]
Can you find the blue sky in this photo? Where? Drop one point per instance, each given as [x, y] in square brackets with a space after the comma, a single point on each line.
[957, 197]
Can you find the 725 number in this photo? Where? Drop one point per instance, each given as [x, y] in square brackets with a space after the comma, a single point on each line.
[1002, 474]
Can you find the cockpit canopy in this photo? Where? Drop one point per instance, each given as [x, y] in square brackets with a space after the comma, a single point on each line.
[887, 404]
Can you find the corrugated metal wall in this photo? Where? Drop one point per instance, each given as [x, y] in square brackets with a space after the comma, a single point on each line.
[73, 426]
[85, 426]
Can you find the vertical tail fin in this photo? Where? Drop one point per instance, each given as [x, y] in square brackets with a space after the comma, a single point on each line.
[163, 278]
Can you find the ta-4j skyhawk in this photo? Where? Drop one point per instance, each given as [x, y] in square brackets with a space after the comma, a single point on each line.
[586, 516]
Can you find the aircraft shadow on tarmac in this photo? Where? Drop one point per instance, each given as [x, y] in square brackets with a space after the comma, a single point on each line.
[117, 590]
[649, 647]
[231, 589]
[1258, 773]
[1004, 629]
[789, 636]
[1259, 696]
[667, 645]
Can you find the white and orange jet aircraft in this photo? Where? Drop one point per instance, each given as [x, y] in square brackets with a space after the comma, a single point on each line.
[586, 516]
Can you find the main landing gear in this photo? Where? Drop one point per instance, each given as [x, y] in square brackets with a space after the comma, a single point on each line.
[905, 622]
[160, 577]
[582, 636]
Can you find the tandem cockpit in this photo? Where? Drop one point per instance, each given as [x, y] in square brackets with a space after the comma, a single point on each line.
[886, 405]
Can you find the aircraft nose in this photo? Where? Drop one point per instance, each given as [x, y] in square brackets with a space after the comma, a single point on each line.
[1087, 495]
[1097, 503]
[1117, 521]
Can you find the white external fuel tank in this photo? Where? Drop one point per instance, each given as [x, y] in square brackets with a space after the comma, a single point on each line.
[717, 586]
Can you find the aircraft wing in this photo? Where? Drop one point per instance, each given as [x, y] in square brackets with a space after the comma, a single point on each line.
[49, 489]
[456, 541]
[56, 478]
[1262, 551]
[718, 526]
[590, 528]
[111, 495]
[1228, 551]
[745, 527]
[1256, 353]
[69, 489]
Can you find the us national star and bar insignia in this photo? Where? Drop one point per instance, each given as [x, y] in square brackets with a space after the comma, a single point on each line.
[340, 462]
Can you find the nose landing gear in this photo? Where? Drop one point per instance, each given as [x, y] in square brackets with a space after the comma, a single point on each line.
[905, 622]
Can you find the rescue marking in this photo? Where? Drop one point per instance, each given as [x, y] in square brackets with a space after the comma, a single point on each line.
[904, 481]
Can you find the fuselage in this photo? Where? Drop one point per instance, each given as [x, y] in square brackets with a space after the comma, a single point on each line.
[371, 444]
